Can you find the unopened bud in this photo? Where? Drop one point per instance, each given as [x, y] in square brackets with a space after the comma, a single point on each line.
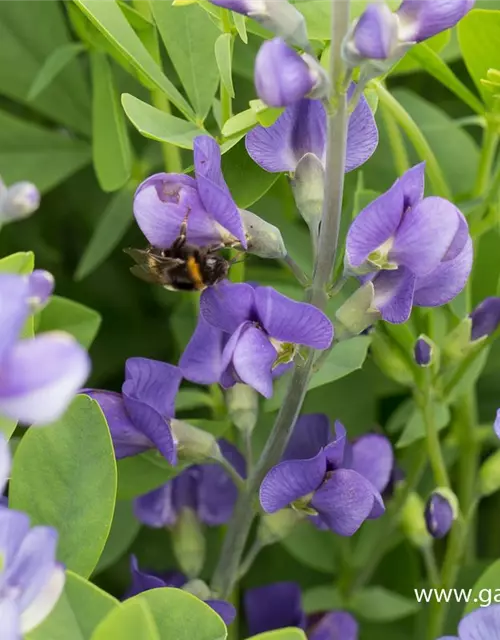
[194, 444]
[243, 407]
[357, 313]
[374, 36]
[198, 588]
[390, 359]
[440, 512]
[485, 318]
[263, 238]
[19, 201]
[188, 543]
[489, 475]
[308, 186]
[423, 351]
[41, 287]
[274, 527]
[413, 521]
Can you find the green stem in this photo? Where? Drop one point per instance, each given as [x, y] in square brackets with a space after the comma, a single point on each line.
[399, 153]
[297, 271]
[470, 450]
[417, 138]
[431, 566]
[488, 152]
[237, 479]
[226, 107]
[250, 558]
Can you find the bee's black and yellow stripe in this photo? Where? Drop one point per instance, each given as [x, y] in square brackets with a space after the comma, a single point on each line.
[194, 271]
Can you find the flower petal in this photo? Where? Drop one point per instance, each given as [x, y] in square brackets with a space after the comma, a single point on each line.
[41, 286]
[225, 609]
[496, 424]
[14, 308]
[40, 377]
[485, 318]
[344, 501]
[14, 526]
[444, 283]
[5, 462]
[273, 606]
[10, 622]
[290, 480]
[45, 601]
[334, 625]
[413, 184]
[310, 434]
[373, 458]
[481, 624]
[127, 439]
[212, 187]
[142, 581]
[153, 425]
[362, 135]
[338, 453]
[421, 19]
[154, 383]
[228, 305]
[394, 294]
[376, 32]
[376, 224]
[290, 321]
[201, 361]
[253, 359]
[156, 508]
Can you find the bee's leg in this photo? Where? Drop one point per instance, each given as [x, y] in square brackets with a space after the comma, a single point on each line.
[180, 241]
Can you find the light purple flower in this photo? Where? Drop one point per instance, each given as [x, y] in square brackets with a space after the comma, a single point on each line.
[415, 250]
[496, 424]
[375, 35]
[337, 483]
[139, 417]
[279, 605]
[439, 515]
[18, 201]
[481, 624]
[245, 333]
[143, 581]
[38, 376]
[485, 318]
[5, 462]
[420, 19]
[423, 352]
[301, 129]
[207, 489]
[163, 201]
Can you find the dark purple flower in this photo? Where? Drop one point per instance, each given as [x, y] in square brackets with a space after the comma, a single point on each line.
[485, 318]
[163, 201]
[336, 482]
[421, 19]
[207, 489]
[245, 333]
[279, 605]
[301, 129]
[18, 201]
[423, 352]
[143, 581]
[283, 77]
[439, 515]
[38, 376]
[416, 250]
[481, 624]
[139, 417]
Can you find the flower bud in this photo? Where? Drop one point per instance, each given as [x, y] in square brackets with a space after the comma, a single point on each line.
[19, 201]
[423, 351]
[308, 186]
[496, 424]
[413, 522]
[274, 527]
[485, 318]
[357, 313]
[198, 588]
[188, 543]
[41, 287]
[193, 444]
[489, 475]
[374, 36]
[283, 77]
[440, 512]
[263, 238]
[243, 407]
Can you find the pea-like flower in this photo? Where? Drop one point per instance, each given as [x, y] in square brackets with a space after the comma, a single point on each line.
[18, 201]
[485, 318]
[244, 334]
[301, 130]
[481, 623]
[38, 376]
[415, 250]
[336, 483]
[279, 605]
[139, 417]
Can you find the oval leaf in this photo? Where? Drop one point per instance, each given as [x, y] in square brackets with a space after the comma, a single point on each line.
[133, 620]
[488, 581]
[52, 67]
[62, 314]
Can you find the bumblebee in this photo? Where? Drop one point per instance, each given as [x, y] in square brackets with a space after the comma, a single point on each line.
[182, 267]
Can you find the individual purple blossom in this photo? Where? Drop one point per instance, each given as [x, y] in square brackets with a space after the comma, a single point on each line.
[279, 605]
[439, 515]
[481, 624]
[283, 77]
[207, 489]
[496, 424]
[375, 35]
[143, 581]
[485, 318]
[337, 483]
[245, 333]
[139, 417]
[415, 250]
[420, 19]
[423, 352]
[38, 376]
[18, 201]
[301, 129]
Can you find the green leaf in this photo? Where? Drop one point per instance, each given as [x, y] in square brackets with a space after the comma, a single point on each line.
[158, 125]
[22, 262]
[133, 620]
[182, 616]
[42, 156]
[52, 67]
[189, 36]
[478, 34]
[64, 476]
[62, 314]
[322, 598]
[7, 427]
[143, 473]
[112, 226]
[312, 547]
[240, 22]
[124, 530]
[79, 610]
[109, 19]
[380, 605]
[223, 56]
[240, 123]
[415, 427]
[488, 582]
[409, 63]
[281, 634]
[110, 144]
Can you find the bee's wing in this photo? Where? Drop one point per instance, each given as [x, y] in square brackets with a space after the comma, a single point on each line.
[139, 255]
[142, 272]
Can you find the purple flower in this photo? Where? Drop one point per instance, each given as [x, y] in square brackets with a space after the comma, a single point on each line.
[245, 333]
[416, 250]
[142, 581]
[18, 201]
[139, 417]
[38, 376]
[485, 318]
[283, 77]
[279, 605]
[206, 489]
[375, 35]
[483, 623]
[5, 462]
[439, 515]
[423, 352]
[337, 483]
[420, 19]
[301, 129]
[496, 424]
[163, 201]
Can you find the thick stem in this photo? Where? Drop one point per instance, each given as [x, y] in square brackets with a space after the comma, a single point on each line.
[470, 450]
[488, 152]
[226, 106]
[227, 569]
